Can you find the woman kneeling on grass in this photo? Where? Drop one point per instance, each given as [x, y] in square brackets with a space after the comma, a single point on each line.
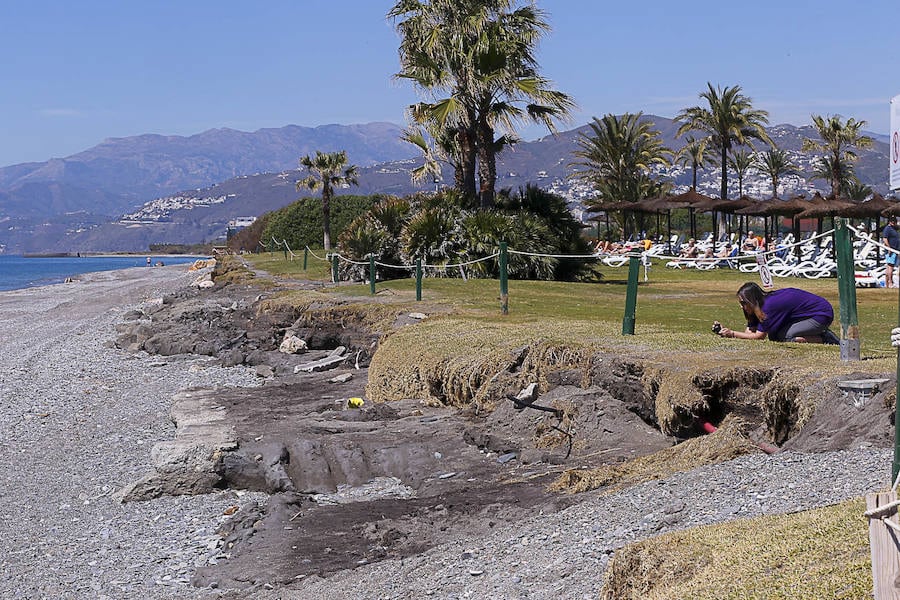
[785, 315]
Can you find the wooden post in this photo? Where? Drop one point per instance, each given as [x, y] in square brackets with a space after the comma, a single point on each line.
[885, 546]
[372, 274]
[305, 256]
[335, 276]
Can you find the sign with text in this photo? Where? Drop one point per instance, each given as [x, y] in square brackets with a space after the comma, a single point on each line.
[765, 276]
[895, 143]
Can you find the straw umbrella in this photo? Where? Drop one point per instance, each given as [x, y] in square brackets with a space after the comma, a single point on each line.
[664, 204]
[692, 198]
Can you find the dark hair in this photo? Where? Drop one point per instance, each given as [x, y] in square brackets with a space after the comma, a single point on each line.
[752, 297]
[892, 219]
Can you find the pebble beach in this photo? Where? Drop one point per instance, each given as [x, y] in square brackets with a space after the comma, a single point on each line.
[79, 417]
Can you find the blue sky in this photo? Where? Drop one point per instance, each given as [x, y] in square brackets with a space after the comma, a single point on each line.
[76, 73]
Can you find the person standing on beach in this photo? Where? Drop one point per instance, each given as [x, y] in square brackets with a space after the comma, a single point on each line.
[891, 239]
[149, 261]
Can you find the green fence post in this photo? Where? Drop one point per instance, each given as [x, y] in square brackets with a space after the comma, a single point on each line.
[334, 269]
[504, 281]
[418, 279]
[847, 290]
[285, 253]
[634, 264]
[305, 256]
[372, 274]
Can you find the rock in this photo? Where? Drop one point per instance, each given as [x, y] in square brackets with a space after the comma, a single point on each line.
[418, 316]
[529, 394]
[505, 458]
[206, 284]
[190, 463]
[292, 344]
[342, 378]
[232, 358]
[264, 371]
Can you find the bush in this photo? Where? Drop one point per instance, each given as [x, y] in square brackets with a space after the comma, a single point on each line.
[300, 223]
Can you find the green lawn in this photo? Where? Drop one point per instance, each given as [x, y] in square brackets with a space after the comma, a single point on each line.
[671, 301]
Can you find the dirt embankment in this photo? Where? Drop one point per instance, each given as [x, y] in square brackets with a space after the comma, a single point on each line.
[355, 485]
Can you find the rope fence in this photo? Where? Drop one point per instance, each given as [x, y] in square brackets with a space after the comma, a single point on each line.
[843, 261]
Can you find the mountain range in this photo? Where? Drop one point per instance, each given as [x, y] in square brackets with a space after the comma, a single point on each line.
[127, 193]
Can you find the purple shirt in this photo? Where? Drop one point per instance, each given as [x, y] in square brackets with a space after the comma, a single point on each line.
[789, 305]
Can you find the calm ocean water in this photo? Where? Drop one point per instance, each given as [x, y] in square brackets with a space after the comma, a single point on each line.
[18, 272]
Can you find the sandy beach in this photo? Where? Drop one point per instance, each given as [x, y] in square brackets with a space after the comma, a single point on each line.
[78, 419]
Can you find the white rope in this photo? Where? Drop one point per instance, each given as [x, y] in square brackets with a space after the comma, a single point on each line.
[553, 255]
[868, 238]
[462, 264]
[315, 255]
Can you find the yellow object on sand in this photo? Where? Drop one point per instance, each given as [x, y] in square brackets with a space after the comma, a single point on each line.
[355, 402]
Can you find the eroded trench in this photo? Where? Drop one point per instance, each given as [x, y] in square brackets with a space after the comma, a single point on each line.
[351, 486]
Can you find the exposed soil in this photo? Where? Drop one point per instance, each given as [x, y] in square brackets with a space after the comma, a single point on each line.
[355, 485]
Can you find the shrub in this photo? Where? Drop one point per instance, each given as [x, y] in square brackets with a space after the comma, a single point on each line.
[300, 223]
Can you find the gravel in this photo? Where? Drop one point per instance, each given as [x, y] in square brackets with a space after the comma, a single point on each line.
[78, 418]
[77, 421]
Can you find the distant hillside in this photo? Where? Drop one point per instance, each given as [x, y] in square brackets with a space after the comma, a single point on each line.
[198, 213]
[120, 174]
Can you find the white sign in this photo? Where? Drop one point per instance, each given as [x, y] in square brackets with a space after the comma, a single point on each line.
[764, 275]
[895, 143]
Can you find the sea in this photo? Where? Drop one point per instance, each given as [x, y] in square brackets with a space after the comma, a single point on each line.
[17, 272]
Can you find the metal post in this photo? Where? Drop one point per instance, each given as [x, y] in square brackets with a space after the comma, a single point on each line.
[305, 256]
[372, 274]
[335, 277]
[847, 290]
[418, 279]
[631, 295]
[504, 282]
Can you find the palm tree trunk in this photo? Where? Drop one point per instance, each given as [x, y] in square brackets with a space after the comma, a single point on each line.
[487, 164]
[326, 217]
[724, 189]
[467, 162]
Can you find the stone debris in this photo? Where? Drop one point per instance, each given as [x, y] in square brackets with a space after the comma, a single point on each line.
[292, 344]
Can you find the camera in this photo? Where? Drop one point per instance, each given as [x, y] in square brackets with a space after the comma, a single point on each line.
[716, 327]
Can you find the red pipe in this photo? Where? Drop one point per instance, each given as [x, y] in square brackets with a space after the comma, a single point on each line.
[767, 448]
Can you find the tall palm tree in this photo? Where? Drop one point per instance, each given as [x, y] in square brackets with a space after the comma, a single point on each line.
[327, 171]
[838, 141]
[775, 164]
[618, 158]
[619, 155]
[475, 59]
[694, 154]
[741, 161]
[728, 119]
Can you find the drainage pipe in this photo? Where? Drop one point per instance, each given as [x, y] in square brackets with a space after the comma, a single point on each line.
[765, 447]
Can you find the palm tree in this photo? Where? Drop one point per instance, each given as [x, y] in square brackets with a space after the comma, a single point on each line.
[728, 119]
[838, 141]
[619, 156]
[856, 190]
[775, 164]
[327, 171]
[475, 59]
[741, 161]
[694, 153]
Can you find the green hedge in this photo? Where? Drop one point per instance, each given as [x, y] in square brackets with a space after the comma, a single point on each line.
[301, 225]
